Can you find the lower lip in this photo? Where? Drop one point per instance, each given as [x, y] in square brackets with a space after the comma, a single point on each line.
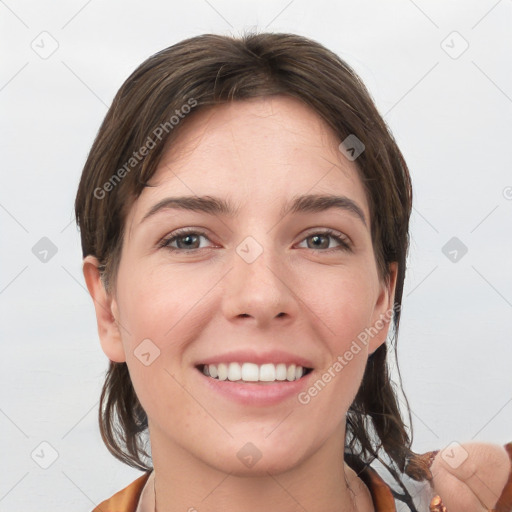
[254, 393]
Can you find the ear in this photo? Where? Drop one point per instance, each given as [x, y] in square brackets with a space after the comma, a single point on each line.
[106, 311]
[384, 310]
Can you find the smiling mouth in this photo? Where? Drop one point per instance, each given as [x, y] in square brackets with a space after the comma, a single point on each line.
[254, 373]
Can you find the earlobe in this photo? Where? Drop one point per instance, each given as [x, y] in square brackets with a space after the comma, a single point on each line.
[384, 310]
[106, 308]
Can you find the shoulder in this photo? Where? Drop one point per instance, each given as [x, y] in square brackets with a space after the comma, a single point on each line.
[126, 499]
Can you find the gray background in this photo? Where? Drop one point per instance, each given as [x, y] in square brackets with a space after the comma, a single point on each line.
[450, 111]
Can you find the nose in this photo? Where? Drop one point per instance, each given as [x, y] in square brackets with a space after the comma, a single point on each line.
[261, 290]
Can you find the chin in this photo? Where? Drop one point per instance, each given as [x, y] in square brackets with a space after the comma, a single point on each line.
[254, 458]
[261, 468]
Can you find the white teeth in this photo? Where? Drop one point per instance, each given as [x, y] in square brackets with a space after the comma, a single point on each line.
[222, 371]
[281, 371]
[212, 370]
[234, 371]
[267, 372]
[250, 372]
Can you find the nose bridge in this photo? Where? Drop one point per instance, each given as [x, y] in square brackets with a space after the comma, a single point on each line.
[256, 285]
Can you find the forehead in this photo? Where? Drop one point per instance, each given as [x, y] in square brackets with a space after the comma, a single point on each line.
[255, 151]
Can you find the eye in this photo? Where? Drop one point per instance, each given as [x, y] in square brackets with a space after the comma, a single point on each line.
[320, 241]
[186, 240]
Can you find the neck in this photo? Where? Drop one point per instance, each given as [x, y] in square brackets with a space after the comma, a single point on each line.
[320, 483]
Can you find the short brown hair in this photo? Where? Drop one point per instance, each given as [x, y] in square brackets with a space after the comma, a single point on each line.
[211, 70]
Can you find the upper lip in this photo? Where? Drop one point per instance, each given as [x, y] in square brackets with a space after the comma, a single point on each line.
[259, 358]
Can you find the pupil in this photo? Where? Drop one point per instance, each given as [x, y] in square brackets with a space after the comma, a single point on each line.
[188, 239]
[317, 238]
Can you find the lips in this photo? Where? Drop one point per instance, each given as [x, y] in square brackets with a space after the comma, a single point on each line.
[255, 379]
[253, 394]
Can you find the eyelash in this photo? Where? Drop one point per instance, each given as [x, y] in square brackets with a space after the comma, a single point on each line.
[164, 244]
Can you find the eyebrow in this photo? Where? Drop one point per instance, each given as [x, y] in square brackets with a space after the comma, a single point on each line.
[313, 203]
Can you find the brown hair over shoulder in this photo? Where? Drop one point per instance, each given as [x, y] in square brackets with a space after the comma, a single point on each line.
[147, 112]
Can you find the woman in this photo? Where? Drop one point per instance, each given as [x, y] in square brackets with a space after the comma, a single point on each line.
[244, 218]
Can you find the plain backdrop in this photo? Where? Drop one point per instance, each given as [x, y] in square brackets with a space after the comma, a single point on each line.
[439, 72]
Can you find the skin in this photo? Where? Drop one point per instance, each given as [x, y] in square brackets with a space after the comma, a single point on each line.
[312, 302]
[471, 476]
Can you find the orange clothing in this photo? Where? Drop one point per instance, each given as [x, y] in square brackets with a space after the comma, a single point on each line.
[129, 498]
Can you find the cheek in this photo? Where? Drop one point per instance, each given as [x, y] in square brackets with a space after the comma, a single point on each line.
[155, 303]
[345, 307]
[345, 302]
[161, 312]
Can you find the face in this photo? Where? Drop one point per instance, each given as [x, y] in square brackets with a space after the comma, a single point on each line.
[267, 281]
